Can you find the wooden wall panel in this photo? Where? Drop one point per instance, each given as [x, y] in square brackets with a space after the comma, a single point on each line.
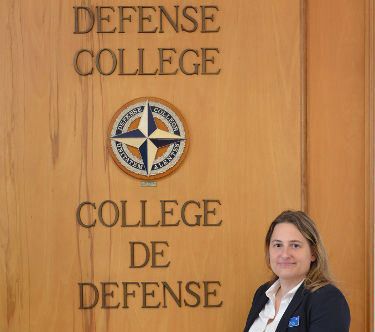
[245, 150]
[338, 137]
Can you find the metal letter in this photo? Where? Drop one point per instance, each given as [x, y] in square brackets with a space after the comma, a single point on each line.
[144, 289]
[126, 294]
[175, 298]
[181, 62]
[143, 219]
[206, 212]
[100, 213]
[205, 60]
[162, 60]
[75, 63]
[211, 18]
[141, 72]
[114, 61]
[122, 18]
[173, 24]
[100, 19]
[121, 58]
[145, 18]
[96, 298]
[78, 215]
[132, 255]
[191, 292]
[207, 293]
[76, 19]
[198, 217]
[123, 215]
[164, 212]
[195, 24]
[105, 294]
[161, 253]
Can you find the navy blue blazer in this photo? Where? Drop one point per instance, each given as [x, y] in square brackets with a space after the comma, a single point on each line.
[324, 310]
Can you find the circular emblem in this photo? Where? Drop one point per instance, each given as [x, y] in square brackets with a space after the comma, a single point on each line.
[148, 138]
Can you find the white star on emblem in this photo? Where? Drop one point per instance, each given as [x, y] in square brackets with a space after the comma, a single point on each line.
[147, 138]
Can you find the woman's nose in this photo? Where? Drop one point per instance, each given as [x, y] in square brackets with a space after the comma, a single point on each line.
[285, 252]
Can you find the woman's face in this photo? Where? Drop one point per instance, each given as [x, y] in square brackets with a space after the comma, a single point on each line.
[290, 253]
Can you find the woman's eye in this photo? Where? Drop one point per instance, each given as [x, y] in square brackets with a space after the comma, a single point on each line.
[277, 245]
[294, 245]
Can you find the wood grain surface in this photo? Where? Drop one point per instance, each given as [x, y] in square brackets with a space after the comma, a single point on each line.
[245, 150]
[337, 141]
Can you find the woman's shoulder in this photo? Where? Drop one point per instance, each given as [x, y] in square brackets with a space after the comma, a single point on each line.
[329, 298]
[327, 291]
[327, 307]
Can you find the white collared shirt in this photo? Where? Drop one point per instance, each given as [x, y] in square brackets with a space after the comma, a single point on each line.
[268, 312]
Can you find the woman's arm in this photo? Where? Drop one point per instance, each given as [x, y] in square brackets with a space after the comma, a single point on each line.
[329, 311]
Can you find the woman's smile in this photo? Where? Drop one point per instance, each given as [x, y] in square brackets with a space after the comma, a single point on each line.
[286, 264]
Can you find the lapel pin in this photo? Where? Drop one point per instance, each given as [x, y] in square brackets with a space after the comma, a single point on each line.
[294, 321]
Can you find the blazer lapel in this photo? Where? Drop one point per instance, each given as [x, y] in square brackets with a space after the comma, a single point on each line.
[255, 313]
[296, 301]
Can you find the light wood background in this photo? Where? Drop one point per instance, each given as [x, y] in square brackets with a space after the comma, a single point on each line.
[282, 126]
[340, 132]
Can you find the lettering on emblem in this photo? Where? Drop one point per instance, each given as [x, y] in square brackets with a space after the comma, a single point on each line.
[148, 138]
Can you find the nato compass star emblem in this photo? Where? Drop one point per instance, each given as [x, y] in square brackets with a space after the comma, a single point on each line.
[148, 138]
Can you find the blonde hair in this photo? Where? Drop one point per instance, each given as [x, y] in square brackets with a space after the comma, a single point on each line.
[319, 274]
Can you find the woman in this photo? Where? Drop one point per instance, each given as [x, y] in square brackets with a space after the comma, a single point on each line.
[301, 296]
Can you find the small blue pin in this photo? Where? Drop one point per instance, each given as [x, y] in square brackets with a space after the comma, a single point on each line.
[294, 321]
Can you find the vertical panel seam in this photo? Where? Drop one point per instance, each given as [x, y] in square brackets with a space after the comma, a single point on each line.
[303, 106]
[369, 158]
